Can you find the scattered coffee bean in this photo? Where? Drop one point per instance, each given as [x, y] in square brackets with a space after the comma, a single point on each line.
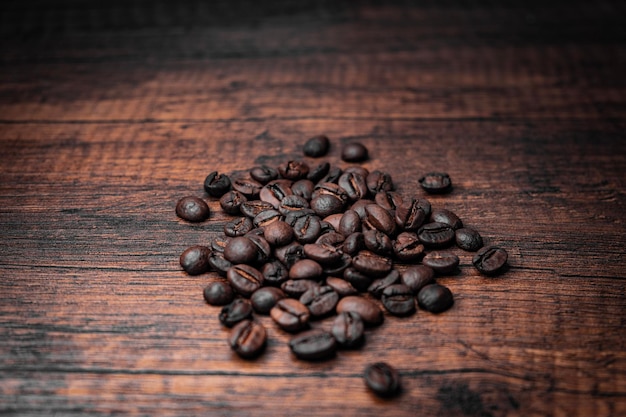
[319, 172]
[320, 301]
[306, 229]
[341, 286]
[378, 181]
[446, 216]
[333, 175]
[436, 235]
[305, 269]
[435, 298]
[195, 260]
[354, 243]
[231, 202]
[382, 379]
[348, 330]
[216, 184]
[247, 339]
[278, 233]
[358, 280]
[380, 219]
[238, 227]
[274, 191]
[294, 170]
[192, 209]
[240, 250]
[350, 223]
[378, 286]
[410, 216]
[248, 187]
[436, 182]
[378, 242]
[398, 300]
[354, 152]
[389, 200]
[244, 279]
[253, 208]
[313, 345]
[304, 189]
[468, 239]
[354, 185]
[264, 299]
[441, 262]
[324, 254]
[296, 287]
[274, 273]
[290, 315]
[490, 260]
[263, 174]
[219, 263]
[218, 293]
[266, 217]
[231, 314]
[417, 277]
[369, 311]
[289, 254]
[316, 146]
[407, 247]
[371, 264]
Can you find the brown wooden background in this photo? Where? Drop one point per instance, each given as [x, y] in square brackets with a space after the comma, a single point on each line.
[111, 112]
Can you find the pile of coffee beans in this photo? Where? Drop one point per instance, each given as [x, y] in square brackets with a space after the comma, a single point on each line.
[309, 242]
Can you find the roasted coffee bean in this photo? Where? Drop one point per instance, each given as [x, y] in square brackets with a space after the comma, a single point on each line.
[326, 204]
[253, 208]
[240, 250]
[348, 330]
[435, 298]
[296, 287]
[265, 298]
[274, 273]
[389, 200]
[192, 209]
[313, 345]
[446, 216]
[231, 314]
[371, 264]
[398, 300]
[359, 208]
[264, 218]
[292, 203]
[337, 268]
[378, 181]
[218, 293]
[319, 172]
[219, 263]
[264, 250]
[468, 239]
[368, 310]
[305, 269]
[290, 315]
[323, 254]
[417, 277]
[219, 243]
[410, 216]
[303, 188]
[316, 146]
[238, 227]
[407, 247]
[244, 279]
[490, 260]
[354, 243]
[378, 242]
[424, 204]
[326, 227]
[216, 184]
[320, 301]
[332, 239]
[350, 223]
[441, 262]
[248, 187]
[382, 379]
[278, 233]
[380, 219]
[263, 174]
[329, 188]
[357, 169]
[231, 202]
[436, 235]
[306, 229]
[378, 286]
[293, 216]
[289, 254]
[248, 339]
[274, 191]
[195, 260]
[294, 170]
[332, 177]
[436, 183]
[354, 152]
[358, 280]
[341, 286]
[354, 185]
[334, 220]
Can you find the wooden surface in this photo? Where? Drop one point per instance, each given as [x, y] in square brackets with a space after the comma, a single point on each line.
[111, 112]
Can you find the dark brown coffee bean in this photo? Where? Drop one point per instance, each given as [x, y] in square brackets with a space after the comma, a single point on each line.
[354, 185]
[274, 273]
[436, 182]
[407, 247]
[244, 279]
[468, 239]
[380, 219]
[436, 235]
[348, 330]
[357, 169]
[446, 216]
[328, 188]
[319, 172]
[294, 170]
[303, 188]
[307, 229]
[296, 287]
[263, 174]
[435, 298]
[358, 280]
[316, 146]
[195, 260]
[337, 268]
[293, 216]
[219, 243]
[219, 263]
[313, 345]
[341, 286]
[332, 239]
[332, 177]
[441, 262]
[264, 251]
[350, 223]
[359, 208]
[326, 204]
[398, 300]
[252, 208]
[323, 254]
[378, 181]
[371, 264]
[410, 216]
[292, 203]
[264, 218]
[231, 314]
[333, 221]
[216, 184]
[354, 243]
[274, 191]
[326, 227]
[192, 209]
[248, 339]
[417, 277]
[248, 187]
[265, 298]
[354, 152]
[290, 315]
[305, 269]
[378, 286]
[278, 233]
[289, 254]
[368, 310]
[378, 242]
[490, 260]
[240, 250]
[382, 379]
[238, 227]
[218, 293]
[320, 301]
[389, 200]
[231, 202]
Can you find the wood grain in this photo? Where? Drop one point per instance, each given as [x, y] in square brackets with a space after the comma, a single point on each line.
[110, 113]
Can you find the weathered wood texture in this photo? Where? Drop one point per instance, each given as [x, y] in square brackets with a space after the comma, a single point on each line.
[110, 113]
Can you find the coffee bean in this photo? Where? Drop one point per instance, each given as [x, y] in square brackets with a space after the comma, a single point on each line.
[341, 286]
[357, 169]
[305, 269]
[436, 235]
[248, 187]
[306, 229]
[389, 200]
[371, 264]
[296, 287]
[378, 242]
[446, 216]
[319, 172]
[380, 219]
[266, 217]
[231, 314]
[290, 315]
[417, 277]
[368, 310]
[278, 233]
[264, 251]
[316, 146]
[490, 260]
[410, 216]
[219, 263]
[195, 260]
[435, 298]
[359, 208]
[326, 204]
[303, 188]
[263, 174]
[274, 273]
[436, 183]
[348, 330]
[320, 301]
[240, 250]
[331, 189]
[218, 293]
[338, 267]
[313, 345]
[333, 175]
[324, 254]
[468, 239]
[333, 220]
[378, 286]
[332, 239]
[265, 298]
[354, 185]
[238, 227]
[216, 184]
[378, 181]
[441, 262]
[248, 339]
[407, 247]
[219, 243]
[192, 209]
[350, 223]
[326, 227]
[231, 202]
[398, 300]
[253, 208]
[292, 203]
[354, 152]
[244, 279]
[293, 216]
[354, 243]
[382, 379]
[294, 170]
[289, 254]
[274, 191]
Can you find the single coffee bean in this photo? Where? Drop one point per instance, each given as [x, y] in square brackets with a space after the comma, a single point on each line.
[368, 310]
[305, 269]
[407, 247]
[231, 314]
[293, 216]
[248, 187]
[358, 280]
[382, 379]
[265, 298]
[274, 273]
[231, 201]
[274, 191]
[357, 169]
[195, 260]
[354, 243]
[316, 146]
[441, 262]
[326, 204]
[264, 251]
[289, 254]
[435, 298]
[389, 200]
[306, 229]
[290, 315]
[303, 188]
[248, 339]
[398, 300]
[238, 227]
[371, 264]
[436, 235]
[219, 263]
[417, 277]
[490, 260]
[468, 239]
[263, 174]
[348, 330]
[350, 223]
[320, 301]
[436, 183]
[218, 293]
[378, 181]
[192, 209]
[378, 286]
[378, 242]
[354, 152]
[323, 254]
[326, 227]
[219, 243]
[332, 177]
[294, 170]
[329, 188]
[296, 287]
[244, 279]
[319, 172]
[332, 239]
[359, 208]
[313, 345]
[338, 267]
[240, 250]
[264, 218]
[380, 219]
[341, 286]
[354, 185]
[334, 220]
[216, 184]
[278, 233]
[410, 216]
[446, 216]
[292, 203]
[253, 208]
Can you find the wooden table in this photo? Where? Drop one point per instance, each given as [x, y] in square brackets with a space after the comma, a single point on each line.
[109, 113]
